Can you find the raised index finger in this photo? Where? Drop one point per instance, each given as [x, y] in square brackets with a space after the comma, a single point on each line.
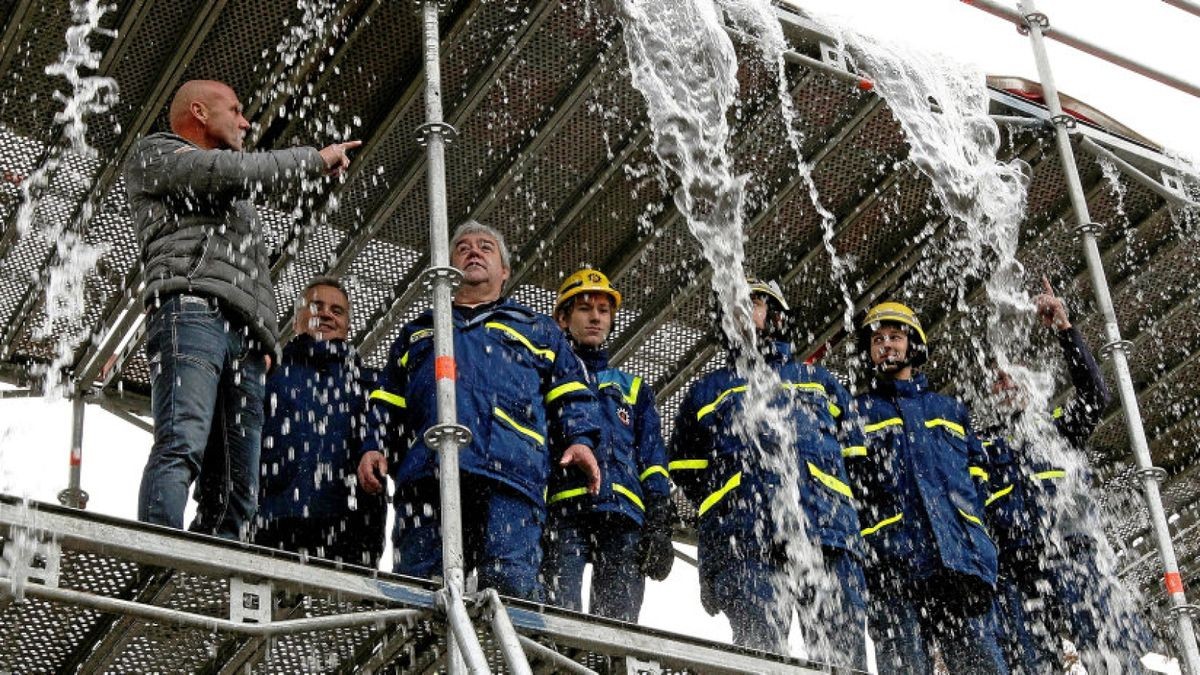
[1049, 290]
[350, 145]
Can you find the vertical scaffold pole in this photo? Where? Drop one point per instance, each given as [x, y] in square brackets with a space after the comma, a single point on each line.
[74, 496]
[447, 436]
[1116, 348]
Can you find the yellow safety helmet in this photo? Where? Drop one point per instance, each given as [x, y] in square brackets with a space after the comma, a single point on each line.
[895, 312]
[586, 281]
[770, 289]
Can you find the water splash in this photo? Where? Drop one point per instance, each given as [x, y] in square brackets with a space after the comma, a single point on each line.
[87, 97]
[684, 64]
[943, 109]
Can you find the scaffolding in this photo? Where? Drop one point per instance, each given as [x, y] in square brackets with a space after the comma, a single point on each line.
[395, 618]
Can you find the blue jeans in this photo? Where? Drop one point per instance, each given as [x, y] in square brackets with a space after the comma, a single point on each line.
[206, 380]
[1042, 601]
[955, 612]
[610, 542]
[502, 534]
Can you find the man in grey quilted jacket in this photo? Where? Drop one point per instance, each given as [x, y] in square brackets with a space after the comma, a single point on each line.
[212, 328]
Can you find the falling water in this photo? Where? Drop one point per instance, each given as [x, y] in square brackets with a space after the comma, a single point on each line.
[88, 96]
[943, 109]
[683, 63]
[65, 302]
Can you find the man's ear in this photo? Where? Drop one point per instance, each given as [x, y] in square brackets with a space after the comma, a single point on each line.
[199, 111]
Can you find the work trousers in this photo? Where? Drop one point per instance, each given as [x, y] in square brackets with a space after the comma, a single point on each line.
[609, 541]
[502, 534]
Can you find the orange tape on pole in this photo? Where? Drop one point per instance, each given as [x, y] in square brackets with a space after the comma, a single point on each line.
[1173, 582]
[444, 368]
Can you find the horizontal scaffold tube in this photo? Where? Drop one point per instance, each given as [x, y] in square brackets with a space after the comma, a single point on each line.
[1009, 14]
[562, 663]
[1133, 172]
[109, 605]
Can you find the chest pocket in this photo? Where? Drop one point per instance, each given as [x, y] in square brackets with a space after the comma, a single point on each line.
[884, 442]
[814, 402]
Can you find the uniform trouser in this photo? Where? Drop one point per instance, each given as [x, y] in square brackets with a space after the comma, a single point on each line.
[206, 390]
[759, 596]
[354, 538]
[1043, 601]
[610, 542]
[908, 617]
[502, 534]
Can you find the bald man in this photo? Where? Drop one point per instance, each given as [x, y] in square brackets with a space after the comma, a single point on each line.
[212, 328]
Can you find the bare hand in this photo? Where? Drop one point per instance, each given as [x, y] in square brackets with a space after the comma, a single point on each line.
[336, 159]
[267, 361]
[1050, 308]
[581, 456]
[371, 468]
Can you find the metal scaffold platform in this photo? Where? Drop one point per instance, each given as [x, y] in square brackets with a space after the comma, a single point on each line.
[87, 593]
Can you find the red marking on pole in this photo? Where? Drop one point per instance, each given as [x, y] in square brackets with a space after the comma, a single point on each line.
[444, 368]
[76, 456]
[865, 84]
[1173, 582]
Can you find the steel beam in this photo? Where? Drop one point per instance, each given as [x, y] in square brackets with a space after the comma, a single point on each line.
[1185, 5]
[19, 23]
[102, 646]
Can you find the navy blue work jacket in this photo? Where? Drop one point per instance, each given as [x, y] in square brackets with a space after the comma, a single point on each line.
[313, 433]
[921, 482]
[521, 391]
[730, 483]
[631, 454]
[1025, 483]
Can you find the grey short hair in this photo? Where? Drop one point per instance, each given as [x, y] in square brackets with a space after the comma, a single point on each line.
[476, 227]
[332, 282]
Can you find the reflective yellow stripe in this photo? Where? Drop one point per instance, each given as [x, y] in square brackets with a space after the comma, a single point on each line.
[867, 531]
[564, 389]
[890, 422]
[685, 464]
[404, 360]
[567, 494]
[713, 406]
[634, 388]
[832, 482]
[637, 501]
[987, 444]
[970, 518]
[978, 473]
[997, 495]
[1058, 412]
[1050, 475]
[525, 430]
[711, 500]
[817, 387]
[544, 353]
[855, 451]
[389, 397]
[952, 426]
[650, 471]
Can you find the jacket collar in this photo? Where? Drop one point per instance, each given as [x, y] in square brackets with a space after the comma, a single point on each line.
[596, 360]
[900, 388]
[773, 351]
[307, 349]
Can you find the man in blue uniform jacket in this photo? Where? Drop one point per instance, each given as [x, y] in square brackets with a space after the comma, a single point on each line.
[316, 404]
[625, 530]
[921, 482]
[1051, 584]
[524, 395]
[745, 569]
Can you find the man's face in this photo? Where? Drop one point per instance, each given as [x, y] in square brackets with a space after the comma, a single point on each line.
[590, 319]
[325, 314]
[759, 313]
[477, 256]
[889, 347]
[225, 125]
[1006, 393]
